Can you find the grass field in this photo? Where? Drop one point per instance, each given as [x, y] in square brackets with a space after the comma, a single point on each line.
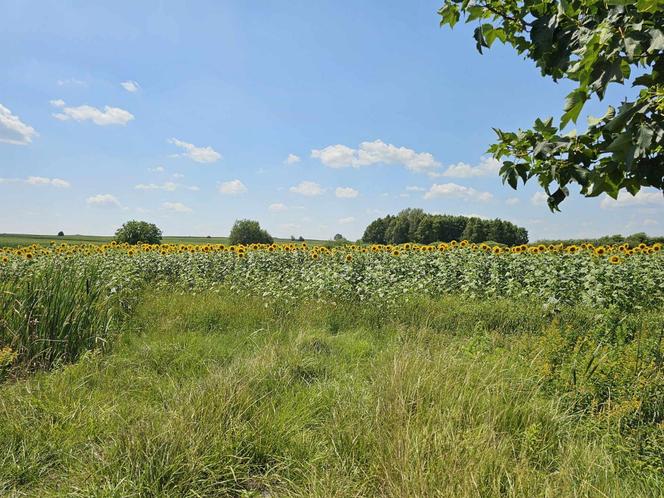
[213, 395]
[293, 370]
[16, 240]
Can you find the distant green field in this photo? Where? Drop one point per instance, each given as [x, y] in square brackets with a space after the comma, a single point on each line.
[15, 240]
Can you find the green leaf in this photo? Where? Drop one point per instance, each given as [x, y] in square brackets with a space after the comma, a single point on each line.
[656, 41]
[573, 105]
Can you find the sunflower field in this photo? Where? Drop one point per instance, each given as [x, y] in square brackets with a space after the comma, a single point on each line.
[584, 323]
[596, 276]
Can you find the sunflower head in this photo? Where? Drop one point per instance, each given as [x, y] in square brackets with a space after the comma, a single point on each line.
[349, 258]
[614, 260]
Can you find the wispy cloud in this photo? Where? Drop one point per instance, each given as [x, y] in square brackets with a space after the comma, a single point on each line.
[457, 191]
[233, 187]
[108, 116]
[103, 200]
[625, 199]
[277, 207]
[38, 180]
[130, 86]
[307, 188]
[167, 186]
[13, 130]
[487, 166]
[292, 159]
[176, 207]
[199, 154]
[346, 192]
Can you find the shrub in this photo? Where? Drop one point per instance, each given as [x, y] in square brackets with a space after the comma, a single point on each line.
[249, 232]
[135, 232]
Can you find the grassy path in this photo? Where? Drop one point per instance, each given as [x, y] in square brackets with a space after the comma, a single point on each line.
[212, 396]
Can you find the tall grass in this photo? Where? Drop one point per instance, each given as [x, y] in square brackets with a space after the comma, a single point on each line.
[216, 395]
[56, 314]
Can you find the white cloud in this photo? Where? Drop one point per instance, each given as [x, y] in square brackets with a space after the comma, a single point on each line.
[346, 192]
[487, 166]
[13, 130]
[38, 180]
[277, 207]
[412, 188]
[512, 201]
[346, 221]
[72, 82]
[109, 116]
[625, 199]
[177, 207]
[292, 159]
[539, 199]
[198, 154]
[55, 182]
[650, 222]
[103, 200]
[233, 187]
[177, 176]
[167, 186]
[457, 191]
[310, 189]
[377, 152]
[157, 169]
[130, 86]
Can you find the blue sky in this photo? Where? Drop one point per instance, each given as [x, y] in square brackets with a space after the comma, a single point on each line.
[312, 117]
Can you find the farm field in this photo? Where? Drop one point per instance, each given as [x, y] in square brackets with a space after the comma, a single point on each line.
[17, 240]
[293, 370]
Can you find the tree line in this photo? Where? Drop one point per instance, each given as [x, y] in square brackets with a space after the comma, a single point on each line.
[633, 240]
[414, 225]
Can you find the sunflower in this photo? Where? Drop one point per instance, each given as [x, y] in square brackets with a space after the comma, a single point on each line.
[496, 250]
[614, 260]
[572, 249]
[349, 258]
[5, 259]
[600, 251]
[395, 252]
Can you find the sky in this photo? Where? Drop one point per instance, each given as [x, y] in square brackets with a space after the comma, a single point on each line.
[313, 118]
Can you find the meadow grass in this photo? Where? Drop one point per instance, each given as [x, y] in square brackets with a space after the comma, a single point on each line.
[217, 395]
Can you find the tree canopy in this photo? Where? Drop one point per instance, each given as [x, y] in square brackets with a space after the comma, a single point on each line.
[136, 232]
[592, 43]
[249, 232]
[414, 225]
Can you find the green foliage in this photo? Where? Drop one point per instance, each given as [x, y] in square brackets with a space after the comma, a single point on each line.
[592, 44]
[138, 232]
[56, 314]
[632, 240]
[221, 395]
[249, 232]
[414, 225]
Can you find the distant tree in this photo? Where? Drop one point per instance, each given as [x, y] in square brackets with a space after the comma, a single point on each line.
[300, 238]
[292, 237]
[135, 232]
[61, 233]
[375, 232]
[249, 232]
[440, 228]
[338, 237]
